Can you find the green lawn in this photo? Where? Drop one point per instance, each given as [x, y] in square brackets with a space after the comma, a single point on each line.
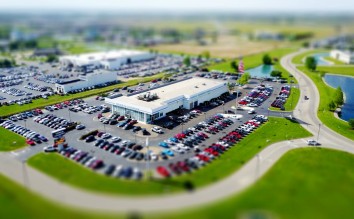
[255, 60]
[291, 102]
[78, 49]
[277, 129]
[39, 103]
[304, 183]
[326, 116]
[333, 60]
[345, 70]
[299, 58]
[10, 141]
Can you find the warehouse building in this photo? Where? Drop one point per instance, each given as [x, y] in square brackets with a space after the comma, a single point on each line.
[344, 56]
[155, 104]
[85, 81]
[111, 60]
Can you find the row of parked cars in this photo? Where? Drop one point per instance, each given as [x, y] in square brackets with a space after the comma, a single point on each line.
[10, 83]
[15, 92]
[257, 96]
[213, 151]
[28, 99]
[64, 104]
[25, 115]
[32, 138]
[37, 87]
[52, 121]
[283, 95]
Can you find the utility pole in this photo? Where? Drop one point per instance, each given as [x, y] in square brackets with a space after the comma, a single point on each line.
[319, 129]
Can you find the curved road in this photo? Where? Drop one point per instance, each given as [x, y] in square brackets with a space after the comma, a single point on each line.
[246, 176]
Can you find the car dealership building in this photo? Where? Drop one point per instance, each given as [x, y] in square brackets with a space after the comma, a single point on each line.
[156, 103]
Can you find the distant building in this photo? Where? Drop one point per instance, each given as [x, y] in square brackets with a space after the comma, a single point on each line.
[155, 104]
[47, 51]
[86, 81]
[344, 56]
[111, 60]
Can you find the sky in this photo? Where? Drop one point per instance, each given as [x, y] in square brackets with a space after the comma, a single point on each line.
[178, 5]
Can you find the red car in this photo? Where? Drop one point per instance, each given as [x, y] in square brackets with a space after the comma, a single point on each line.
[179, 136]
[203, 134]
[96, 164]
[211, 151]
[174, 168]
[39, 111]
[163, 171]
[203, 157]
[120, 118]
[182, 165]
[30, 142]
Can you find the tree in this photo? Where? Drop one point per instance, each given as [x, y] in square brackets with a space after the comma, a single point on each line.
[244, 78]
[276, 73]
[331, 106]
[234, 65]
[52, 58]
[267, 60]
[206, 54]
[338, 96]
[311, 63]
[351, 123]
[187, 61]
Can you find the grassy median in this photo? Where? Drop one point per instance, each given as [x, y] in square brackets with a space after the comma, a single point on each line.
[10, 141]
[291, 102]
[326, 95]
[67, 171]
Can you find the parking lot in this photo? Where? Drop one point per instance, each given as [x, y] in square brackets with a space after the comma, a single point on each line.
[160, 154]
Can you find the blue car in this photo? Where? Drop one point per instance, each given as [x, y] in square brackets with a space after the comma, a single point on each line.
[163, 144]
[121, 124]
[175, 140]
[168, 152]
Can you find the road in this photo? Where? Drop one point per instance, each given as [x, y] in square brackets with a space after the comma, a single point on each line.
[231, 185]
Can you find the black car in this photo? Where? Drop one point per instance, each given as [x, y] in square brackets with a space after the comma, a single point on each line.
[89, 138]
[136, 128]
[168, 125]
[145, 132]
[110, 169]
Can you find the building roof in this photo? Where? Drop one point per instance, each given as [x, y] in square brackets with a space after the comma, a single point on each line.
[101, 56]
[180, 90]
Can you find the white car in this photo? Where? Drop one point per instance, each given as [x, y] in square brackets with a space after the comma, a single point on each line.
[157, 130]
[49, 149]
[115, 139]
[106, 135]
[312, 142]
[153, 156]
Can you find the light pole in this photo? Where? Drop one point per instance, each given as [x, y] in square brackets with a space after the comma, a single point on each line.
[205, 115]
[147, 158]
[319, 129]
[25, 123]
[69, 114]
[182, 126]
[104, 127]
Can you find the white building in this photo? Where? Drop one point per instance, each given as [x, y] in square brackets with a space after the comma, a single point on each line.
[344, 56]
[111, 60]
[186, 94]
[85, 81]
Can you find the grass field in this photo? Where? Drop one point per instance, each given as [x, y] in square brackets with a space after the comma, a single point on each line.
[326, 116]
[300, 58]
[277, 129]
[304, 183]
[10, 141]
[39, 103]
[345, 70]
[333, 60]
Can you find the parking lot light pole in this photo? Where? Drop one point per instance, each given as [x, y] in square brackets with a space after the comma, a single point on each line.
[25, 123]
[69, 115]
[182, 126]
[205, 115]
[319, 129]
[104, 127]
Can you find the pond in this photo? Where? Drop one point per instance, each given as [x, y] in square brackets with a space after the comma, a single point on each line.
[320, 60]
[262, 71]
[346, 83]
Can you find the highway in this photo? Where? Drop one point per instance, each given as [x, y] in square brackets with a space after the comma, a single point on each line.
[305, 112]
